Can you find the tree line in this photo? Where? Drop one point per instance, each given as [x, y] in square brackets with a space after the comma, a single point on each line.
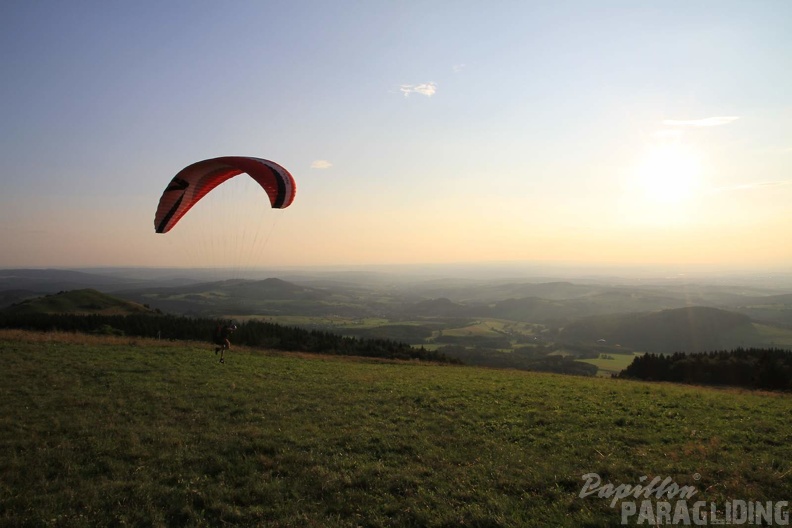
[753, 368]
[249, 333]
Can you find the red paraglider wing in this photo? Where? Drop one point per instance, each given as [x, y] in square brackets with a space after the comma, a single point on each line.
[193, 183]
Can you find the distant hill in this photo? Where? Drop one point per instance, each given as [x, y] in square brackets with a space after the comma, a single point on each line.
[9, 297]
[44, 281]
[773, 309]
[272, 289]
[86, 301]
[485, 291]
[559, 311]
[690, 329]
[532, 309]
[441, 307]
[236, 296]
[53, 280]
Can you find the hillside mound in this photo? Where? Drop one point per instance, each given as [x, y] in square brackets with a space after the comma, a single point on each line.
[86, 301]
[690, 329]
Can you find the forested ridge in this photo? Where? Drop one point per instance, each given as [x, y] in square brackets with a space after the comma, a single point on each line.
[754, 368]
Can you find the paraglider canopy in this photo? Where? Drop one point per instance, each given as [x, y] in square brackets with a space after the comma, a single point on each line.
[194, 181]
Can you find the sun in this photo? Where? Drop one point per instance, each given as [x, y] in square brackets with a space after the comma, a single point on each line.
[663, 187]
[668, 174]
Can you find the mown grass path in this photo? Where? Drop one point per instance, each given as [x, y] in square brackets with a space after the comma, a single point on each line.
[128, 432]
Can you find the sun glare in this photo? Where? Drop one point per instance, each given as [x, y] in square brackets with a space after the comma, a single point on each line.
[662, 187]
[669, 174]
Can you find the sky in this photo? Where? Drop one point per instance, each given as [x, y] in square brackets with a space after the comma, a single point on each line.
[588, 132]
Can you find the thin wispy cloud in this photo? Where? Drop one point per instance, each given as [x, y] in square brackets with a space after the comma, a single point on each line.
[321, 164]
[458, 67]
[752, 186]
[706, 122]
[427, 89]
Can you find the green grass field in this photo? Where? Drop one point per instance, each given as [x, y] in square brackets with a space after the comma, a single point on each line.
[491, 328]
[613, 365]
[121, 431]
[773, 336]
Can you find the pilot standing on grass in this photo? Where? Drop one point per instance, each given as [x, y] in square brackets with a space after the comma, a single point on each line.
[221, 339]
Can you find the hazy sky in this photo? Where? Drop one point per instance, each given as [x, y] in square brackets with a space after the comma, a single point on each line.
[630, 132]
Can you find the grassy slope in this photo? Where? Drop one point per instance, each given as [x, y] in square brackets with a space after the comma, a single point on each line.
[111, 431]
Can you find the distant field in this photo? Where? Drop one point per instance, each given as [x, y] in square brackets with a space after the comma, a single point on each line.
[478, 328]
[121, 431]
[321, 321]
[774, 336]
[483, 327]
[613, 365]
